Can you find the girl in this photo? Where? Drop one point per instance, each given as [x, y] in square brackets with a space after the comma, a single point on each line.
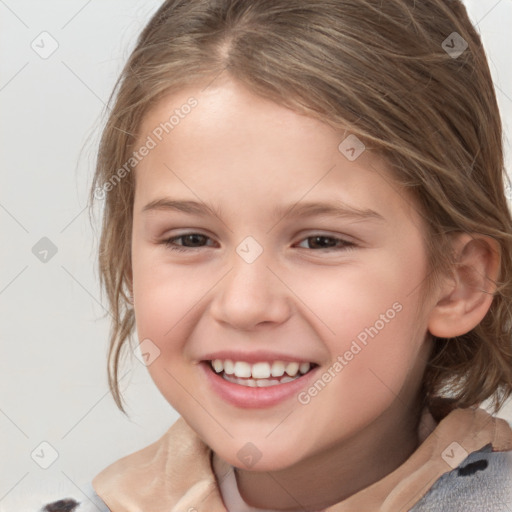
[305, 222]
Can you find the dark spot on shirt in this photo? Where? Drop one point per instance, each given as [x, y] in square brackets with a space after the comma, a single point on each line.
[472, 468]
[66, 505]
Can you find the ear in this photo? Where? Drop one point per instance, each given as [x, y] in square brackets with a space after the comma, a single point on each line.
[464, 299]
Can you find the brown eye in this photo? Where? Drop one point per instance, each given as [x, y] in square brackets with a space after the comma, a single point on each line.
[186, 241]
[326, 242]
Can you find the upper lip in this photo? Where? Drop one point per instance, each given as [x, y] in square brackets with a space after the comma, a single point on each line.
[256, 356]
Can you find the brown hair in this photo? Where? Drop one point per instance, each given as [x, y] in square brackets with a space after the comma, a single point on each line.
[382, 70]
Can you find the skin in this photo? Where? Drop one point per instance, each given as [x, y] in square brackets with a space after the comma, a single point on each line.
[243, 156]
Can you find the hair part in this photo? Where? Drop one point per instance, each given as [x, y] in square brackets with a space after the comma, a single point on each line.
[376, 69]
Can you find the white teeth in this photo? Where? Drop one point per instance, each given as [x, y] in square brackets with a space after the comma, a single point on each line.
[277, 369]
[242, 369]
[258, 374]
[229, 367]
[217, 365]
[263, 383]
[292, 369]
[251, 382]
[261, 371]
[230, 378]
[304, 368]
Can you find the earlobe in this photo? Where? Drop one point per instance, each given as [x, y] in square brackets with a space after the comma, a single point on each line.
[466, 296]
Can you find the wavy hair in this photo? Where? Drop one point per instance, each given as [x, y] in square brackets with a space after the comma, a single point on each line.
[383, 70]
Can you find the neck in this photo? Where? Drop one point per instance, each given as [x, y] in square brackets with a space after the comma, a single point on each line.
[340, 471]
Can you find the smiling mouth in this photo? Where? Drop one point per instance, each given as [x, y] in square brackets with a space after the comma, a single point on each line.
[261, 374]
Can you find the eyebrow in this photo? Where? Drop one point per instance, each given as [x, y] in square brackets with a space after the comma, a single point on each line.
[303, 209]
[192, 207]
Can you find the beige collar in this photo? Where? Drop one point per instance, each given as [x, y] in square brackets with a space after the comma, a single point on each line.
[174, 474]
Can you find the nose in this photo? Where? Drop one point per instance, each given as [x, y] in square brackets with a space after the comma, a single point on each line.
[250, 295]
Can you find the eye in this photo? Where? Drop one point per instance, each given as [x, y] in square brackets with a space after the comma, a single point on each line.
[188, 241]
[191, 241]
[326, 242]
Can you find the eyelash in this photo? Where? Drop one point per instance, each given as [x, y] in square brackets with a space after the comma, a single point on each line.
[169, 243]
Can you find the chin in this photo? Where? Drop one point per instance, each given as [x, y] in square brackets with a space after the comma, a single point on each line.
[250, 457]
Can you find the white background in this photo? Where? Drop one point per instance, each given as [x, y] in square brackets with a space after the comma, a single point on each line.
[54, 334]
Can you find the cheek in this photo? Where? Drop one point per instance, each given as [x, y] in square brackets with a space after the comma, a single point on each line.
[164, 292]
[167, 298]
[387, 328]
[374, 360]
[166, 303]
[371, 311]
[378, 290]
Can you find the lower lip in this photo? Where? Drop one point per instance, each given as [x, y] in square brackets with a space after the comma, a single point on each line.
[254, 398]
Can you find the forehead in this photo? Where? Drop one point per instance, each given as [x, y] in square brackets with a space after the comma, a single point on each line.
[238, 150]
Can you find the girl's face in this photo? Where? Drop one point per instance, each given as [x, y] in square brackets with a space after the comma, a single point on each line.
[264, 236]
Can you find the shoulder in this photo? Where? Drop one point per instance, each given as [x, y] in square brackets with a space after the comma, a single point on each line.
[483, 481]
